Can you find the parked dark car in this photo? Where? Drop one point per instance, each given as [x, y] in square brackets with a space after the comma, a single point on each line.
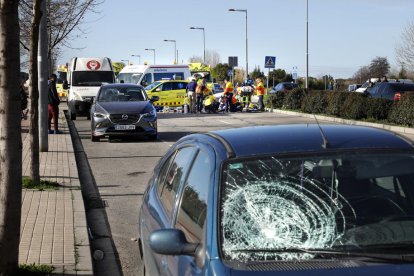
[389, 90]
[283, 87]
[281, 200]
[121, 110]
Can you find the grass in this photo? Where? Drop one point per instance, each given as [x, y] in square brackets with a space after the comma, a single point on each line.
[35, 270]
[27, 183]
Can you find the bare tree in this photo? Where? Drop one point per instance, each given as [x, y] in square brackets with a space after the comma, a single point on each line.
[362, 74]
[212, 58]
[405, 49]
[195, 59]
[65, 18]
[10, 138]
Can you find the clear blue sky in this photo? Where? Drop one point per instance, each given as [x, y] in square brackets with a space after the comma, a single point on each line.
[343, 34]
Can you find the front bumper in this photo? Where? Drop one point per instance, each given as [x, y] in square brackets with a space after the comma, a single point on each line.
[107, 127]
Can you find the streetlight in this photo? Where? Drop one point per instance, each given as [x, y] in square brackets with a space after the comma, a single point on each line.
[139, 58]
[153, 51]
[204, 39]
[175, 48]
[307, 44]
[247, 58]
[126, 60]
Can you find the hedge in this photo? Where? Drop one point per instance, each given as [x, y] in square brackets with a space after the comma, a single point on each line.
[348, 105]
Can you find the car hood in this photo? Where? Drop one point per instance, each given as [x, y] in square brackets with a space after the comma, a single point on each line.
[125, 107]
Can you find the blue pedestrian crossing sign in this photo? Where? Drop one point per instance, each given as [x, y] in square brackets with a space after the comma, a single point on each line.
[230, 73]
[270, 62]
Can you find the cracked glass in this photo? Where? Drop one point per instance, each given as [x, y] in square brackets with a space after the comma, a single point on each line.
[273, 207]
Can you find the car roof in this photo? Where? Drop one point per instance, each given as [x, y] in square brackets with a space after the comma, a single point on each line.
[171, 81]
[123, 85]
[259, 140]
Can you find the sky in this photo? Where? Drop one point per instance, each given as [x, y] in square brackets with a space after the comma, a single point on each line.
[343, 35]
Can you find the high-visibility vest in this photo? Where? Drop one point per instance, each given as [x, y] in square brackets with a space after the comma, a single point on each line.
[229, 88]
[260, 89]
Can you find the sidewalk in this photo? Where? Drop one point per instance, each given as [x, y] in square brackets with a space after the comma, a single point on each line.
[53, 225]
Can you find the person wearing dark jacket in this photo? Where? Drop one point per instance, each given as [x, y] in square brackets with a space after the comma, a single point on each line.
[53, 106]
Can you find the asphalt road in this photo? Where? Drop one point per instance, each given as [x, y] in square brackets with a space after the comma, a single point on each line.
[121, 170]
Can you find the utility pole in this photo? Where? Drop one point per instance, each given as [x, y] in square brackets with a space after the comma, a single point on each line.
[43, 73]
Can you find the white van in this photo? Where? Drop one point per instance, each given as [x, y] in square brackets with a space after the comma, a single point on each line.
[85, 77]
[147, 74]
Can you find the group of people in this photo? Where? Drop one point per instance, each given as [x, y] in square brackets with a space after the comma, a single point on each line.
[198, 94]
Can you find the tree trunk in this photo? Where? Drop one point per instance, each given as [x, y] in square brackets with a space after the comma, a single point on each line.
[10, 138]
[34, 95]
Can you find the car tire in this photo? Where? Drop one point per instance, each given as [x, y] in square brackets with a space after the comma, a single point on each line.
[72, 115]
[88, 116]
[153, 137]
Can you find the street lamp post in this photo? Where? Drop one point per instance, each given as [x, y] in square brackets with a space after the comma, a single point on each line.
[175, 48]
[247, 56]
[147, 49]
[307, 44]
[139, 58]
[126, 60]
[204, 40]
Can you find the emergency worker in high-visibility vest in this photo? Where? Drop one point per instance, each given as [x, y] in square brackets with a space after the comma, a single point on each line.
[228, 93]
[260, 92]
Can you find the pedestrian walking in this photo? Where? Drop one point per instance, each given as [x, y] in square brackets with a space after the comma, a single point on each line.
[53, 105]
[228, 93]
[260, 92]
[191, 94]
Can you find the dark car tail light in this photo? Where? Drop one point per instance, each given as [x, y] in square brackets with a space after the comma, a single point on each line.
[397, 96]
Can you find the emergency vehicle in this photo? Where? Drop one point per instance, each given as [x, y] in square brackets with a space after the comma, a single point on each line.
[202, 70]
[171, 93]
[147, 74]
[62, 76]
[85, 77]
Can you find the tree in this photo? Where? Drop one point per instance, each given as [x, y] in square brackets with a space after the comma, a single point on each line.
[362, 74]
[212, 58]
[379, 67]
[195, 59]
[258, 74]
[65, 18]
[219, 72]
[10, 138]
[405, 50]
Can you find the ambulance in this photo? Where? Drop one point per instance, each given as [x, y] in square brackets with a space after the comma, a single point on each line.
[85, 77]
[147, 74]
[202, 70]
[62, 76]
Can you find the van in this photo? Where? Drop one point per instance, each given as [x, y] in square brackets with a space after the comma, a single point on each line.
[147, 74]
[85, 77]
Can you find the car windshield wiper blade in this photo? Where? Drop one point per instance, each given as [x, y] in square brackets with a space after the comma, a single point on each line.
[327, 253]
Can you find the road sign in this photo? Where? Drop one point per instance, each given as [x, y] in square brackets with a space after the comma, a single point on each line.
[233, 62]
[230, 73]
[270, 62]
[294, 75]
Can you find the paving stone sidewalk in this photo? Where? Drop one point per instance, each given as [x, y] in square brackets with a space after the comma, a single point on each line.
[53, 225]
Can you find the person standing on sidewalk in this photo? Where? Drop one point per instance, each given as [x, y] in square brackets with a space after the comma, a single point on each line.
[260, 92]
[53, 106]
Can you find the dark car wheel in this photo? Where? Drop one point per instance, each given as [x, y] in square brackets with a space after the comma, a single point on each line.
[72, 115]
[153, 137]
[95, 138]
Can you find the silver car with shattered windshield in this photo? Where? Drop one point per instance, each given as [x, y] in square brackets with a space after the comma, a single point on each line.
[123, 110]
[281, 200]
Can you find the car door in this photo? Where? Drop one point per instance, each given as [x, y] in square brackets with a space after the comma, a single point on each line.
[179, 88]
[192, 215]
[160, 204]
[163, 92]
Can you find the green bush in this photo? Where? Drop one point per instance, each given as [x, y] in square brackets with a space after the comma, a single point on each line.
[378, 109]
[293, 98]
[354, 107]
[335, 101]
[314, 102]
[402, 111]
[275, 100]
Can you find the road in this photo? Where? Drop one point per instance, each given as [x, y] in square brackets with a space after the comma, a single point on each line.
[121, 170]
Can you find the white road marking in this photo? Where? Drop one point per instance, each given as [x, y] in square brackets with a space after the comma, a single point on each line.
[224, 122]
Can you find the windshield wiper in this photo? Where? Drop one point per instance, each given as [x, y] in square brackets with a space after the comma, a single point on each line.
[328, 253]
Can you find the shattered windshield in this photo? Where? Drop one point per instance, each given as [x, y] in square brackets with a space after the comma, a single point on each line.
[272, 207]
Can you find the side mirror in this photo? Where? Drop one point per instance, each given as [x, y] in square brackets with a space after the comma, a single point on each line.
[171, 242]
[158, 90]
[154, 98]
[65, 85]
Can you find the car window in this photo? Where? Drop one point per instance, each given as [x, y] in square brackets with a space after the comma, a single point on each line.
[192, 212]
[166, 86]
[170, 178]
[315, 202]
[178, 85]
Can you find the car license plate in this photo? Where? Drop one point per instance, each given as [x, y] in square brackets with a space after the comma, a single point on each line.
[124, 127]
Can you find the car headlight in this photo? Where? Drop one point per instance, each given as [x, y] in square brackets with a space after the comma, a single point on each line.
[150, 115]
[100, 115]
